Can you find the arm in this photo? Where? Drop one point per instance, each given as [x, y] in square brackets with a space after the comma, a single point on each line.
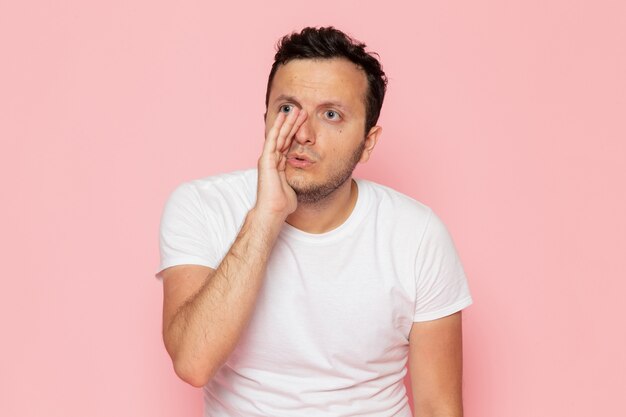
[206, 310]
[436, 366]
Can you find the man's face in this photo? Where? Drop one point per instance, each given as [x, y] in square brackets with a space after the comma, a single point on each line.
[331, 141]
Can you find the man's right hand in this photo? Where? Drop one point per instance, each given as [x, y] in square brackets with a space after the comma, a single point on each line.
[205, 310]
[275, 197]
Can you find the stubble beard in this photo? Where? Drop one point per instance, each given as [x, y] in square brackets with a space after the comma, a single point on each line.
[317, 193]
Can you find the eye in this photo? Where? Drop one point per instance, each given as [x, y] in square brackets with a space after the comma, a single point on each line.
[332, 115]
[285, 108]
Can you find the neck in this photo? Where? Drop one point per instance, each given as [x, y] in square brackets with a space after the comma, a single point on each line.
[328, 214]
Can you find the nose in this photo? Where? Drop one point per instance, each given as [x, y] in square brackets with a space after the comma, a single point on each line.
[305, 135]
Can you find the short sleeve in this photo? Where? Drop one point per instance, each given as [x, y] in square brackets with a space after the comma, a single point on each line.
[184, 235]
[441, 284]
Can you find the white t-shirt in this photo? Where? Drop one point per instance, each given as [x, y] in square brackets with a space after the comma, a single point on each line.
[329, 333]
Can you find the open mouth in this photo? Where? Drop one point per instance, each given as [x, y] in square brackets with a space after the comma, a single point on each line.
[298, 162]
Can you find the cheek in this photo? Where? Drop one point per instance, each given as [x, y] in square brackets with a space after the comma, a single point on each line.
[333, 131]
[348, 134]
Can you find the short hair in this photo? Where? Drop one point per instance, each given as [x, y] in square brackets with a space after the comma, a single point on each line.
[327, 43]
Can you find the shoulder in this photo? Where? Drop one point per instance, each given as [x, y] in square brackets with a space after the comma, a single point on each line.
[213, 196]
[409, 216]
[243, 181]
[398, 218]
[233, 188]
[400, 206]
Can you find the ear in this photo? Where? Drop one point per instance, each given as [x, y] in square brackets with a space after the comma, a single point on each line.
[370, 142]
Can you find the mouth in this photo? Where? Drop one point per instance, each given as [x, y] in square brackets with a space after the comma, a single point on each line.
[299, 161]
[299, 157]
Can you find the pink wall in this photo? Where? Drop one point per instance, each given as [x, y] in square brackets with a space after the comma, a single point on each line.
[506, 117]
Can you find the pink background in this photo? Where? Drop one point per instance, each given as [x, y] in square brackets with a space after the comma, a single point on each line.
[506, 117]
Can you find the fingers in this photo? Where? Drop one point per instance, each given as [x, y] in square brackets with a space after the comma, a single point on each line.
[281, 134]
[283, 143]
[282, 161]
[286, 128]
[270, 138]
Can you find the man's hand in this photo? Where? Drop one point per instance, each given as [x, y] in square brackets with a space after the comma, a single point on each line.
[205, 310]
[275, 198]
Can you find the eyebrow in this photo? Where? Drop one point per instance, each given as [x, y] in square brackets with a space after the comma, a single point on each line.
[326, 103]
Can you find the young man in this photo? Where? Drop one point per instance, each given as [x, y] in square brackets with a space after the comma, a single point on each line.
[294, 289]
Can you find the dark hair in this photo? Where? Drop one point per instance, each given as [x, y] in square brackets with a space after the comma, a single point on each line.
[327, 43]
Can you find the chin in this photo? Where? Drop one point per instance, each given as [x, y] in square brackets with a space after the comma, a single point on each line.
[295, 174]
[296, 180]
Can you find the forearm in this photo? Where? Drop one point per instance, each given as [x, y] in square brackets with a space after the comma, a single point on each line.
[455, 411]
[205, 329]
[448, 403]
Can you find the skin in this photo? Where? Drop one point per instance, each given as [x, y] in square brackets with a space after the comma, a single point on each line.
[436, 366]
[205, 310]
